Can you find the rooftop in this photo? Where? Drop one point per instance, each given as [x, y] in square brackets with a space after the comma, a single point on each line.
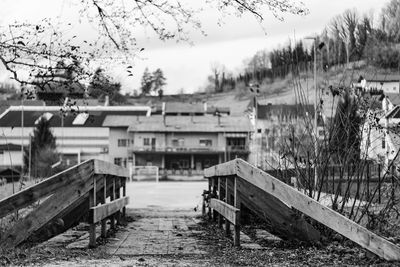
[159, 123]
[383, 78]
[86, 116]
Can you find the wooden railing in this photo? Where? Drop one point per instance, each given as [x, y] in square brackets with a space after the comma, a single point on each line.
[273, 200]
[65, 199]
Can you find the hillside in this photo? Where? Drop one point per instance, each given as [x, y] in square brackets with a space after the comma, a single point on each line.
[281, 91]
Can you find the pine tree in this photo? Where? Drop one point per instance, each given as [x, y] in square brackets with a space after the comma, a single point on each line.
[147, 82]
[158, 80]
[43, 152]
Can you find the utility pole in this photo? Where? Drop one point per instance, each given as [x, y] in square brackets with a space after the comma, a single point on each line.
[316, 149]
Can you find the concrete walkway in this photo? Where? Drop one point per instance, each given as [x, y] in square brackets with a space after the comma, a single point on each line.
[158, 233]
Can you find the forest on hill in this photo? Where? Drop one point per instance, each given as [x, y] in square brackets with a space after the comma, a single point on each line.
[350, 37]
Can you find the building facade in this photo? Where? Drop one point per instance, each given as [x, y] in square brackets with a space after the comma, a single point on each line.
[177, 145]
[80, 134]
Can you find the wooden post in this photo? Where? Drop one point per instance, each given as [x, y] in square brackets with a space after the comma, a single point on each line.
[104, 221]
[203, 206]
[124, 195]
[117, 195]
[227, 224]
[236, 237]
[220, 218]
[214, 194]
[112, 217]
[209, 195]
[92, 203]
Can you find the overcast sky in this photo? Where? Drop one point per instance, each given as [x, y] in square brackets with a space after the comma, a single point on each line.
[186, 66]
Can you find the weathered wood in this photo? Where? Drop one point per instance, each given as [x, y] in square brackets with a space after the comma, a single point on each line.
[104, 221]
[100, 212]
[104, 167]
[112, 197]
[45, 188]
[44, 213]
[229, 212]
[236, 236]
[70, 216]
[227, 224]
[220, 217]
[124, 195]
[310, 207]
[214, 194]
[223, 169]
[92, 226]
[281, 220]
[209, 195]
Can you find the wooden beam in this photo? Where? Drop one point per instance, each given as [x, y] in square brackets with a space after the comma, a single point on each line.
[105, 167]
[317, 211]
[227, 224]
[236, 235]
[281, 220]
[45, 188]
[100, 212]
[47, 211]
[229, 212]
[223, 169]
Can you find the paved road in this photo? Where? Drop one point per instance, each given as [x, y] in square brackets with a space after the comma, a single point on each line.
[170, 195]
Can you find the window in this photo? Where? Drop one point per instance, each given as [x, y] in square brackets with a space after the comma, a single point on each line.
[80, 119]
[146, 141]
[118, 161]
[383, 142]
[205, 142]
[123, 142]
[259, 130]
[181, 142]
[178, 142]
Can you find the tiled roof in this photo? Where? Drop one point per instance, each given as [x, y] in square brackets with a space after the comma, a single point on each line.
[285, 110]
[383, 78]
[181, 107]
[12, 117]
[190, 124]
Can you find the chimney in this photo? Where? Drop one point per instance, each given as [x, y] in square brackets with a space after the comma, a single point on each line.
[107, 101]
[163, 113]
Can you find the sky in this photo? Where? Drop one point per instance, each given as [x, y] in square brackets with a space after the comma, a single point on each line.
[187, 65]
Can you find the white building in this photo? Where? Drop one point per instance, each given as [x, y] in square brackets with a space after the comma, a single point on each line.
[80, 134]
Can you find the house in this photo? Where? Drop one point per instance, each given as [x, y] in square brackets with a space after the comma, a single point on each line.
[386, 83]
[79, 133]
[178, 145]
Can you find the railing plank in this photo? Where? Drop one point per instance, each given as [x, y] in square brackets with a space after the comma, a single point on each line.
[317, 211]
[48, 210]
[102, 211]
[104, 167]
[223, 169]
[229, 212]
[45, 188]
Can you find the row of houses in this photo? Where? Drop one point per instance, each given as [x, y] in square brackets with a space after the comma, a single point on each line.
[180, 139]
[185, 138]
